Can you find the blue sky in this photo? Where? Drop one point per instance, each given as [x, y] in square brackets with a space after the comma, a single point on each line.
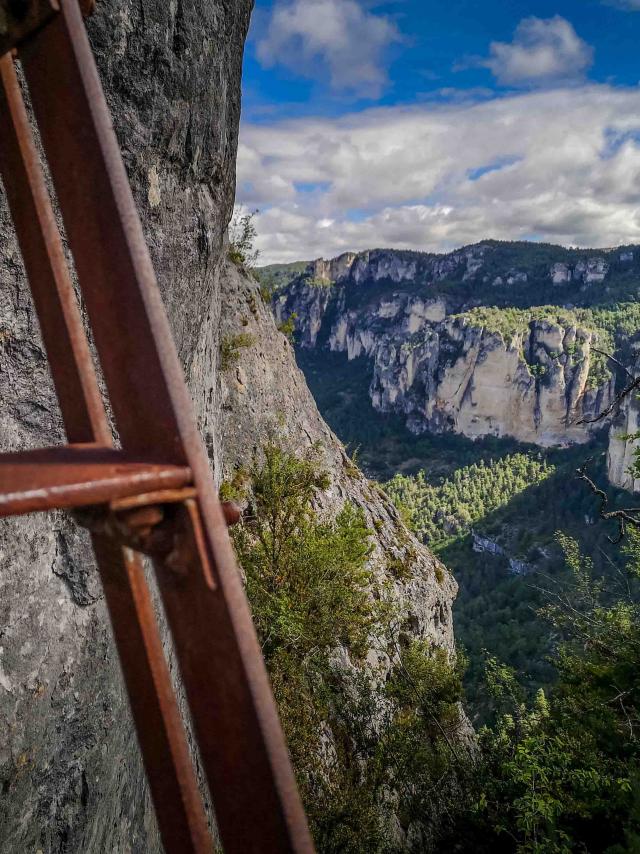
[430, 125]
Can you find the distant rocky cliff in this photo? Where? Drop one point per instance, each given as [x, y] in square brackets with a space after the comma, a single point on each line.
[623, 448]
[465, 342]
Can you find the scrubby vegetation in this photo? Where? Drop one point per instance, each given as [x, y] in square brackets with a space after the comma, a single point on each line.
[554, 773]
[288, 327]
[363, 747]
[562, 773]
[242, 235]
[438, 513]
[231, 347]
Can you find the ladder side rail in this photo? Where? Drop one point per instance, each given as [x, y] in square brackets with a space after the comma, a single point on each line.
[166, 755]
[41, 248]
[129, 324]
[235, 719]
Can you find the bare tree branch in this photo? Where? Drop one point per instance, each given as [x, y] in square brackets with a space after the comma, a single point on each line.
[633, 385]
[624, 517]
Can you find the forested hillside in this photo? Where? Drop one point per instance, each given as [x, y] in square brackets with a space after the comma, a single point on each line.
[547, 625]
[490, 509]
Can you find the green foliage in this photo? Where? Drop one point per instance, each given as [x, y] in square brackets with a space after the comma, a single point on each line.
[562, 774]
[307, 579]
[554, 774]
[231, 346]
[275, 277]
[236, 488]
[310, 590]
[537, 370]
[495, 609]
[288, 326]
[242, 235]
[266, 292]
[437, 513]
[318, 283]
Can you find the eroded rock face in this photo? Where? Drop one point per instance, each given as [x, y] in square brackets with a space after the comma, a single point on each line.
[622, 449]
[70, 776]
[443, 371]
[459, 377]
[264, 397]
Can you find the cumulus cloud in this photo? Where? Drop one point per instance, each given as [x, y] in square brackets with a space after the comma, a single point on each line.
[561, 165]
[335, 37]
[543, 52]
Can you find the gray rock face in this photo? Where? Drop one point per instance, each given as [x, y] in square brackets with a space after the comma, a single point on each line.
[623, 449]
[265, 396]
[70, 776]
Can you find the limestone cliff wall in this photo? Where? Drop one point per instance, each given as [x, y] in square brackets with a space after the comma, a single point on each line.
[70, 776]
[621, 452]
[441, 370]
[623, 449]
[466, 379]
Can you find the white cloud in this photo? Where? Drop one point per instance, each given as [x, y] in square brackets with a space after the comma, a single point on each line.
[543, 51]
[337, 38]
[562, 165]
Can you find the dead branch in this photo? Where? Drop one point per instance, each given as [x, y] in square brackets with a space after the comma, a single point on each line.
[624, 517]
[631, 387]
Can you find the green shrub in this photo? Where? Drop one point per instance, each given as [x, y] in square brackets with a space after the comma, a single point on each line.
[242, 234]
[288, 326]
[230, 349]
[307, 579]
[310, 589]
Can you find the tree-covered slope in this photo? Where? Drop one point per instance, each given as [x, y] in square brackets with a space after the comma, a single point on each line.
[490, 509]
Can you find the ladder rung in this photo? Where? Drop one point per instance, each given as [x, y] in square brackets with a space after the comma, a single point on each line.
[79, 476]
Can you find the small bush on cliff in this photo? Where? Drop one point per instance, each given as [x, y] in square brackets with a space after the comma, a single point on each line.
[306, 578]
[242, 235]
[230, 348]
[288, 327]
[308, 584]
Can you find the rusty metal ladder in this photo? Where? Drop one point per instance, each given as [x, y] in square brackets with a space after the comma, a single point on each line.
[154, 494]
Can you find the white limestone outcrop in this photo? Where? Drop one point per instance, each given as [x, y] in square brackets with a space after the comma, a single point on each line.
[437, 366]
